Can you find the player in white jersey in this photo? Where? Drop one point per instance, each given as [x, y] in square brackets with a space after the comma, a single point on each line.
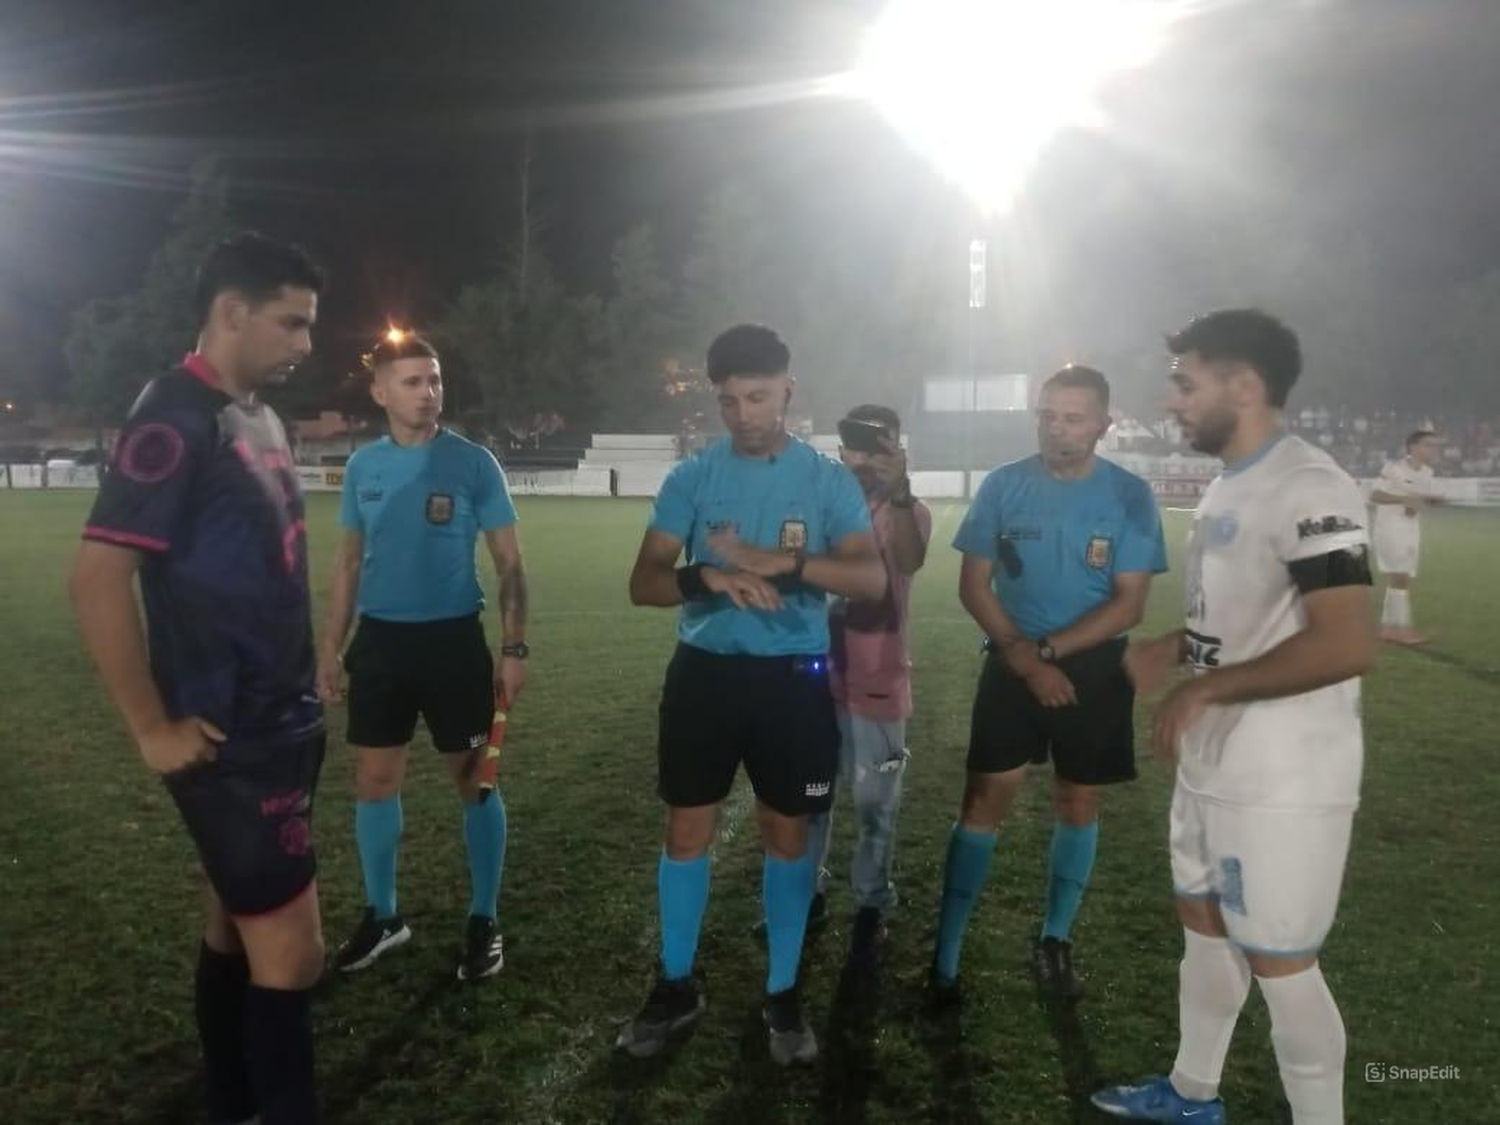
[1405, 487]
[1266, 730]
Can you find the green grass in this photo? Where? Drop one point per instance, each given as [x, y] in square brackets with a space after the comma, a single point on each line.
[99, 907]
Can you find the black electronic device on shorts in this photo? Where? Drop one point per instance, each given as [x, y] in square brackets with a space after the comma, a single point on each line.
[862, 437]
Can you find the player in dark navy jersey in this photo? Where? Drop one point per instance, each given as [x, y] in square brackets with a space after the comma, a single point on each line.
[201, 501]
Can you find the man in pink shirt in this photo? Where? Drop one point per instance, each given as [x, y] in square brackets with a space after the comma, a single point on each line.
[871, 678]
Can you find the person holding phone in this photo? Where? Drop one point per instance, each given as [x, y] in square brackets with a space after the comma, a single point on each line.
[870, 676]
[1058, 554]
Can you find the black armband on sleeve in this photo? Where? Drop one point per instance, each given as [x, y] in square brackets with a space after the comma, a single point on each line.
[690, 582]
[1349, 566]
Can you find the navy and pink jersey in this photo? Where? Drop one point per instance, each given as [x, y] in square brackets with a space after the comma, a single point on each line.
[206, 488]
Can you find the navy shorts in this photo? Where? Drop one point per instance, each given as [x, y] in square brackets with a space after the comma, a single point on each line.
[249, 813]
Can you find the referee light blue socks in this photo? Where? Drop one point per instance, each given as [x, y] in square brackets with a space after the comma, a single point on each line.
[787, 890]
[1067, 874]
[682, 896]
[377, 831]
[964, 874]
[484, 837]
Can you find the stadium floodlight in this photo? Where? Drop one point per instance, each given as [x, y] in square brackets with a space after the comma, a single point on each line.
[395, 335]
[979, 86]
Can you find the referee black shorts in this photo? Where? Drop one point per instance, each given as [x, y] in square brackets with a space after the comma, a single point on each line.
[774, 713]
[249, 812]
[440, 670]
[1091, 742]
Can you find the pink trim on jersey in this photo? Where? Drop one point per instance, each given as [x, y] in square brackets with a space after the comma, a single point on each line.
[198, 367]
[125, 538]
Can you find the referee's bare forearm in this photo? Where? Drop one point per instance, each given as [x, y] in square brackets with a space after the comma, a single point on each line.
[514, 603]
[857, 577]
[343, 592]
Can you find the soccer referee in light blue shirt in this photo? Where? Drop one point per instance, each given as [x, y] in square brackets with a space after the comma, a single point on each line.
[1058, 554]
[770, 528]
[414, 506]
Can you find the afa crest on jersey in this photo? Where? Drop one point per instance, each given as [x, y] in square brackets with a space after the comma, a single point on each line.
[439, 508]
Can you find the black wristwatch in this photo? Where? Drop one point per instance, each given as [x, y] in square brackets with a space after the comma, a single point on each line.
[519, 651]
[1045, 650]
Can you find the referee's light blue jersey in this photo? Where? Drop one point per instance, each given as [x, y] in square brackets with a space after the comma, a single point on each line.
[799, 498]
[1058, 544]
[420, 509]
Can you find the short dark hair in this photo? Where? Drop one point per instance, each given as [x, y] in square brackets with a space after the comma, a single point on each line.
[1250, 336]
[406, 346]
[1418, 435]
[882, 416]
[747, 349]
[257, 266]
[1077, 375]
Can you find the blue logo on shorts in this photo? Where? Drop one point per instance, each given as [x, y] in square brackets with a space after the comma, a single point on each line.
[1231, 886]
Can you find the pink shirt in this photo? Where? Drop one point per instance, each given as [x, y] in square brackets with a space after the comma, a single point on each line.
[871, 650]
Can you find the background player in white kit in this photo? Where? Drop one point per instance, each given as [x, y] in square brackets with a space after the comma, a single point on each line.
[1404, 488]
[1266, 732]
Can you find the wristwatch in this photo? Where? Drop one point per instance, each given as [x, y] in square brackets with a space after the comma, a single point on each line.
[1045, 650]
[903, 497]
[520, 650]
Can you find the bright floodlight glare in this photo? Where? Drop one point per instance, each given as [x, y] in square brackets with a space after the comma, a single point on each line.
[394, 335]
[978, 86]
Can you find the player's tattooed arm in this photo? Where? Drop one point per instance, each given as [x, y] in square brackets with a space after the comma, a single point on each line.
[510, 670]
[505, 549]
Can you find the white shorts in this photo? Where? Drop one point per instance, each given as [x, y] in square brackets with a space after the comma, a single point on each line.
[1397, 547]
[1275, 873]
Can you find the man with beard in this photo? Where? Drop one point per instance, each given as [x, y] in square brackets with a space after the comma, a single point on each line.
[1266, 731]
[201, 501]
[1058, 554]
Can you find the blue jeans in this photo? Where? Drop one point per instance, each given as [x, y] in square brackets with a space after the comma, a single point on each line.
[872, 763]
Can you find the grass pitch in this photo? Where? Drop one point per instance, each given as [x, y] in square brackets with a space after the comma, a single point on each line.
[99, 906]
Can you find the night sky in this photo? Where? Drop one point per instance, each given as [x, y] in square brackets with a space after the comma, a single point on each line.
[386, 137]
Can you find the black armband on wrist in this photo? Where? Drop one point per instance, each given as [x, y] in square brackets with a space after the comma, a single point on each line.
[1347, 567]
[690, 582]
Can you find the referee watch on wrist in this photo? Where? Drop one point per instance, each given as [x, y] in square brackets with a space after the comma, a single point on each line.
[518, 651]
[1045, 650]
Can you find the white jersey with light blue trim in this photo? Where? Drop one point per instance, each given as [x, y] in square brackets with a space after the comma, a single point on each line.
[1289, 503]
